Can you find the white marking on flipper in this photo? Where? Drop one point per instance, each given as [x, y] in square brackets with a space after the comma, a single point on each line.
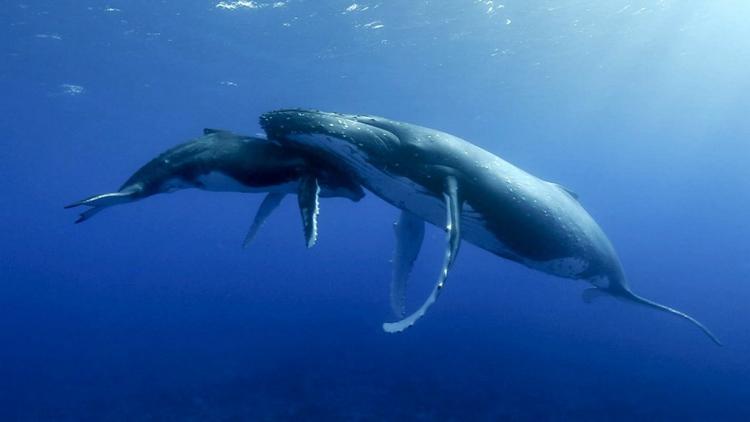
[309, 206]
[270, 202]
[453, 218]
[409, 231]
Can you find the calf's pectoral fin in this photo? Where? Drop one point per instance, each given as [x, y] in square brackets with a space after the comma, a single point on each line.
[270, 203]
[409, 230]
[452, 226]
[309, 207]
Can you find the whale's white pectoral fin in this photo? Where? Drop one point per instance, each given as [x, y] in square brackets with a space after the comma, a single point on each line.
[453, 218]
[270, 203]
[309, 206]
[409, 231]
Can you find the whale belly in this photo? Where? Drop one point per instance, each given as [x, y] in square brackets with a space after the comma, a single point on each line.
[217, 181]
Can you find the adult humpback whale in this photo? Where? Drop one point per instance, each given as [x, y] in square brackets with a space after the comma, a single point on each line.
[223, 161]
[442, 179]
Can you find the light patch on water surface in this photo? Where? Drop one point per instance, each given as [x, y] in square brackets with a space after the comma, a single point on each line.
[55, 37]
[232, 5]
[374, 25]
[248, 4]
[492, 6]
[71, 89]
[354, 7]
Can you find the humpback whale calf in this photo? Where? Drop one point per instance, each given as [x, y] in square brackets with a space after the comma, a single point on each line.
[223, 161]
[475, 195]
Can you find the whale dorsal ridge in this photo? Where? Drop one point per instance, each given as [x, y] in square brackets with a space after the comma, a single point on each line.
[210, 131]
[566, 190]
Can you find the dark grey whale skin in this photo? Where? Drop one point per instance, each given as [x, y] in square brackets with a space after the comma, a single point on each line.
[534, 222]
[514, 206]
[254, 164]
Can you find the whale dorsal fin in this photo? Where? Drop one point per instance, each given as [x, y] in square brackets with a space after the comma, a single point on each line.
[210, 131]
[270, 202]
[453, 218]
[409, 231]
[308, 196]
[566, 190]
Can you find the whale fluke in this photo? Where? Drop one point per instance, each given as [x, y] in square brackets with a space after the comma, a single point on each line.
[309, 207]
[452, 226]
[104, 200]
[270, 203]
[643, 301]
[99, 202]
[409, 231]
[593, 293]
[87, 214]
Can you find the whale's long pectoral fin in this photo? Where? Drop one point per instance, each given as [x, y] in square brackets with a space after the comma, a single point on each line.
[409, 231]
[452, 226]
[309, 206]
[270, 203]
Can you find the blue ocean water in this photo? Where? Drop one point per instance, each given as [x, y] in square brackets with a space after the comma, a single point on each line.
[152, 311]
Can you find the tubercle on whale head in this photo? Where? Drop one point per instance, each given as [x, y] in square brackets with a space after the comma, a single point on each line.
[348, 141]
[335, 139]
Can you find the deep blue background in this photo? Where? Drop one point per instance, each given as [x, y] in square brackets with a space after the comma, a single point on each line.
[153, 311]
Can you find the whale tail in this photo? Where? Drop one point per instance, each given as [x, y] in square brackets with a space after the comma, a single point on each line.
[594, 292]
[646, 302]
[101, 201]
